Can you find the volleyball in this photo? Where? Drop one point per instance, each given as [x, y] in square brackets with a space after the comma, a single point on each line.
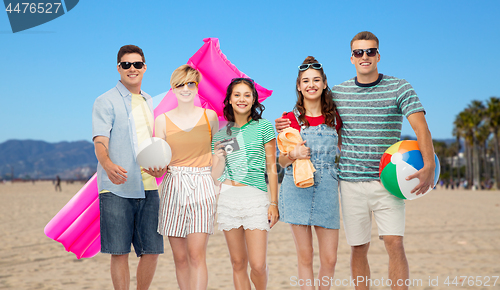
[154, 152]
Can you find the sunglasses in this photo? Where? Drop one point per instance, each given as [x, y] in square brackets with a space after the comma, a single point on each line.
[127, 65]
[242, 79]
[190, 85]
[303, 67]
[357, 53]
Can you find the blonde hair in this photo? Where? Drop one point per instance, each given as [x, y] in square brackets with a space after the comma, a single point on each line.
[184, 73]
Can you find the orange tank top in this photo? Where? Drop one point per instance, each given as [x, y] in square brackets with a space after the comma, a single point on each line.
[191, 148]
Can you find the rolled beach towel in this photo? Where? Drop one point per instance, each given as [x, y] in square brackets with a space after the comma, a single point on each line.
[303, 169]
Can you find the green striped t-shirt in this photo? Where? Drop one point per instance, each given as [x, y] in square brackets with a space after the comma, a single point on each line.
[248, 164]
[372, 117]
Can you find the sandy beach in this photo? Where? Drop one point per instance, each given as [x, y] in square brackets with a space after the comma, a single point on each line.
[448, 234]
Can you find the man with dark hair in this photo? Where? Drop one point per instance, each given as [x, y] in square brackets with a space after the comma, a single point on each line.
[128, 197]
[372, 106]
[129, 49]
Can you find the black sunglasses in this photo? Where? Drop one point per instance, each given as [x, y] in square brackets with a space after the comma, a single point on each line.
[305, 66]
[127, 65]
[357, 53]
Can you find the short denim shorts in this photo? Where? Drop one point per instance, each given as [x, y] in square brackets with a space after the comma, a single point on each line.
[126, 221]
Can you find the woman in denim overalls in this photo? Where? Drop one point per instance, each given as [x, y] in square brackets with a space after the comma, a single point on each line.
[316, 118]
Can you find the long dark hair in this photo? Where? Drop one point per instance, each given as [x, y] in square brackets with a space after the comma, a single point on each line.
[328, 106]
[256, 110]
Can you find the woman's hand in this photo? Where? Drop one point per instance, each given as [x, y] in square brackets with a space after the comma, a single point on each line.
[300, 152]
[155, 172]
[273, 214]
[219, 151]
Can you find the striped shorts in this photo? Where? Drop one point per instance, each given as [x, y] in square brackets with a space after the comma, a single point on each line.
[187, 202]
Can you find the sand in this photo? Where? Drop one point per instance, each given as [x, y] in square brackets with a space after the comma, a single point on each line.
[448, 234]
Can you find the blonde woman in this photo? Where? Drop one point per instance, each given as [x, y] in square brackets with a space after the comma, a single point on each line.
[187, 192]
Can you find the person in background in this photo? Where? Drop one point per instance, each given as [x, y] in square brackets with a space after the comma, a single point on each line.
[58, 183]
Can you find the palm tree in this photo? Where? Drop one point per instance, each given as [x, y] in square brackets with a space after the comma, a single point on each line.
[491, 161]
[482, 134]
[463, 129]
[476, 115]
[457, 132]
[440, 149]
[451, 151]
[493, 120]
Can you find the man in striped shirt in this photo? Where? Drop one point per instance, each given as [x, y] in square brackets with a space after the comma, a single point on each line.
[371, 106]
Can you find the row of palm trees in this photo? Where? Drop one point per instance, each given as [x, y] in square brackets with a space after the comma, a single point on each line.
[478, 126]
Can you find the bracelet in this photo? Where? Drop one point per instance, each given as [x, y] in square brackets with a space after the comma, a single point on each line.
[288, 155]
[274, 203]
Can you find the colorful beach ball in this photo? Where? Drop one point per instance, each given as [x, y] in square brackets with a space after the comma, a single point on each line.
[400, 161]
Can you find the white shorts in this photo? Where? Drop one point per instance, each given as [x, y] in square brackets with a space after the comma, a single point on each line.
[242, 206]
[359, 200]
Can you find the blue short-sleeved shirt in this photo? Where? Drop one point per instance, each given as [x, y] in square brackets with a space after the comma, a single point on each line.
[112, 118]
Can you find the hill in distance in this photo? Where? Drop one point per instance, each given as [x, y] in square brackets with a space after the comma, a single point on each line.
[30, 159]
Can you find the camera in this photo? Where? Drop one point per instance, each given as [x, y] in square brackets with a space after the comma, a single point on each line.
[230, 145]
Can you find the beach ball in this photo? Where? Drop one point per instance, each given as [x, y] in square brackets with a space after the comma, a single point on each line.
[154, 152]
[400, 161]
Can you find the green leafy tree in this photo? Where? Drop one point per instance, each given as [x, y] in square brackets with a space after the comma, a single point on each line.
[463, 129]
[440, 148]
[493, 120]
[477, 111]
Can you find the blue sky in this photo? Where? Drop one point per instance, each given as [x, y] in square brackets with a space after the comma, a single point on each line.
[51, 74]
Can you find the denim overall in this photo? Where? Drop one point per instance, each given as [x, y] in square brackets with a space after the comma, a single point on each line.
[317, 205]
